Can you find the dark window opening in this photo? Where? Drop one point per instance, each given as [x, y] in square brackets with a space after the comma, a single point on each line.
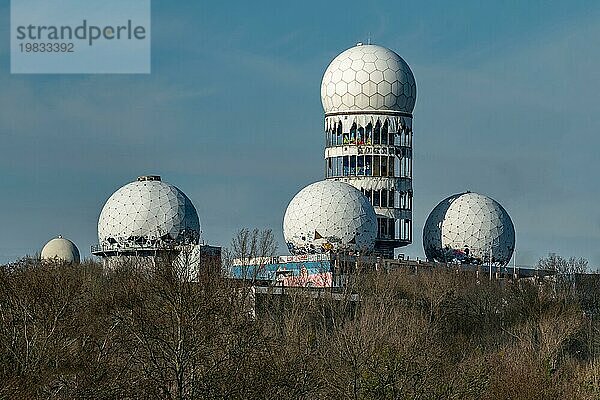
[360, 165]
[384, 168]
[376, 198]
[361, 136]
[369, 134]
[346, 165]
[368, 165]
[353, 134]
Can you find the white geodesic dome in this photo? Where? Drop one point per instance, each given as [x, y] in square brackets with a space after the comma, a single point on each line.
[60, 249]
[368, 77]
[469, 227]
[148, 213]
[329, 216]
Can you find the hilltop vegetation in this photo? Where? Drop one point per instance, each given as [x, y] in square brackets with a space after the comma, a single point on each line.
[76, 332]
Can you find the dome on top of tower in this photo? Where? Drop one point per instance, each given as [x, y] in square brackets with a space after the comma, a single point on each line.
[368, 77]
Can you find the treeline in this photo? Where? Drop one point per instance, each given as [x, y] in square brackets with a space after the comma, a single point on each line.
[78, 332]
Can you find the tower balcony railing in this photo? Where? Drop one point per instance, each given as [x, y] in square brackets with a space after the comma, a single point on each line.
[137, 246]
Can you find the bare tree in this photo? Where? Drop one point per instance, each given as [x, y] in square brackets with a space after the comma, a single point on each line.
[145, 330]
[561, 265]
[566, 271]
[254, 247]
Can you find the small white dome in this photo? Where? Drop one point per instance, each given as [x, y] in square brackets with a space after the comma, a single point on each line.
[469, 225]
[62, 249]
[148, 213]
[367, 78]
[328, 216]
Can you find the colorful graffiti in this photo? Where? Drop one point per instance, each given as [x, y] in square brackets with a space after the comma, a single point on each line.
[294, 273]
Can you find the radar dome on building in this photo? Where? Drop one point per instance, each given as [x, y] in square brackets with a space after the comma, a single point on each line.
[469, 227]
[146, 214]
[368, 78]
[60, 249]
[329, 216]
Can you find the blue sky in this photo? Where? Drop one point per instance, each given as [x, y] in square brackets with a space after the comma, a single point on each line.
[508, 96]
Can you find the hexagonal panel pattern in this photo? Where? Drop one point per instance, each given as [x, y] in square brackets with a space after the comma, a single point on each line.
[466, 227]
[147, 213]
[368, 77]
[329, 216]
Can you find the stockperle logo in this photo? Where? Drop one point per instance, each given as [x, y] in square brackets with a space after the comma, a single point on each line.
[80, 36]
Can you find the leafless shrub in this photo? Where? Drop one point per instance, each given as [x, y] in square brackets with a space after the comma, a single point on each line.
[134, 331]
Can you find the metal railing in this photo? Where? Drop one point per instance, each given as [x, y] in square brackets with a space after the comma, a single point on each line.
[125, 247]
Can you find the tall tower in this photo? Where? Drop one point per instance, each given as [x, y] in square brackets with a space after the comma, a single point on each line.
[368, 94]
